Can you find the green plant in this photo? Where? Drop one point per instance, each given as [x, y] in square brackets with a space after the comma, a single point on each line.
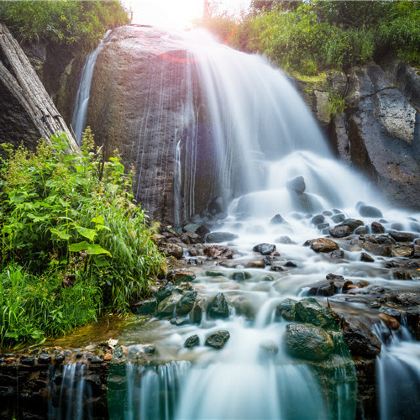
[69, 220]
[336, 103]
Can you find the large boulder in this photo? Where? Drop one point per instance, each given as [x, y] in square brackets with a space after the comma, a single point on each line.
[308, 342]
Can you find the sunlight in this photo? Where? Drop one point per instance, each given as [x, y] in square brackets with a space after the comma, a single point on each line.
[179, 14]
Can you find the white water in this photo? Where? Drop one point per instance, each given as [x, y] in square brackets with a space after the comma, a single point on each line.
[83, 92]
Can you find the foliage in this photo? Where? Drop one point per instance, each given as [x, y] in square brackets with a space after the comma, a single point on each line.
[68, 223]
[309, 37]
[62, 21]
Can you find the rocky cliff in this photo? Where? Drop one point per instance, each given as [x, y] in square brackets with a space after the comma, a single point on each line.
[27, 112]
[376, 127]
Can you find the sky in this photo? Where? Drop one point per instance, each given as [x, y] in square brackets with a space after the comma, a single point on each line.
[176, 13]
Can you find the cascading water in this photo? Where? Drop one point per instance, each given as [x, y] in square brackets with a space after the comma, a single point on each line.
[83, 92]
[263, 137]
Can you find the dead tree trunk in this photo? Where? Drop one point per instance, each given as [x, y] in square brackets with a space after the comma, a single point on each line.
[27, 112]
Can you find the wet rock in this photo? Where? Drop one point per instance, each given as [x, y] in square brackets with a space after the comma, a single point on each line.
[173, 250]
[323, 227]
[166, 308]
[341, 231]
[369, 211]
[308, 342]
[277, 220]
[338, 254]
[397, 226]
[192, 341]
[402, 251]
[365, 257]
[164, 291]
[377, 227]
[196, 313]
[286, 310]
[360, 340]
[200, 230]
[403, 236]
[243, 306]
[285, 240]
[327, 213]
[218, 252]
[259, 263]
[389, 321]
[416, 251]
[145, 307]
[310, 311]
[181, 275]
[218, 307]
[338, 218]
[269, 348]
[216, 206]
[361, 230]
[186, 303]
[352, 223]
[322, 245]
[330, 286]
[290, 264]
[241, 275]
[276, 266]
[213, 273]
[44, 359]
[264, 248]
[218, 339]
[296, 185]
[318, 219]
[402, 275]
[28, 361]
[217, 237]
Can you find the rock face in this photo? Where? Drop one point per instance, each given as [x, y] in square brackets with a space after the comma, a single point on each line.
[142, 102]
[26, 110]
[379, 130]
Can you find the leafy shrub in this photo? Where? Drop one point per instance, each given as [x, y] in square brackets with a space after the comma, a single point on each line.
[69, 221]
[63, 22]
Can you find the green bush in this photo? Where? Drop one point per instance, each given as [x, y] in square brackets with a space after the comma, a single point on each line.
[68, 222]
[63, 22]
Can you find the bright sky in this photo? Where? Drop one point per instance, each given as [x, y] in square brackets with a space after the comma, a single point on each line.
[176, 13]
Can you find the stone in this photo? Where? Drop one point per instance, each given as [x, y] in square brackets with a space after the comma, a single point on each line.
[164, 291]
[264, 248]
[277, 220]
[218, 339]
[284, 240]
[286, 310]
[218, 252]
[290, 264]
[217, 237]
[365, 257]
[173, 250]
[214, 273]
[360, 339]
[402, 251]
[322, 245]
[196, 313]
[166, 308]
[243, 306]
[352, 223]
[308, 342]
[390, 321]
[332, 285]
[323, 227]
[402, 275]
[200, 230]
[377, 227]
[369, 211]
[340, 231]
[186, 303]
[218, 307]
[44, 359]
[403, 236]
[310, 311]
[259, 263]
[192, 341]
[241, 275]
[145, 307]
[361, 230]
[296, 185]
[181, 275]
[338, 218]
[318, 219]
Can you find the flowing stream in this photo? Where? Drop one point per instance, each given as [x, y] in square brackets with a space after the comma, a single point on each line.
[264, 138]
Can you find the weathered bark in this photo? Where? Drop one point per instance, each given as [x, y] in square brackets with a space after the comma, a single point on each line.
[27, 113]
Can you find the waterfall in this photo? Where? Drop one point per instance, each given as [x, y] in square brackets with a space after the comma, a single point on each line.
[83, 92]
[398, 374]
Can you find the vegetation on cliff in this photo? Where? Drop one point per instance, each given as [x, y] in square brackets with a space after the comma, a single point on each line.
[66, 22]
[312, 36]
[73, 242]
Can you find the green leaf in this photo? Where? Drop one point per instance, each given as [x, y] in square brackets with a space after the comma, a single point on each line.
[98, 220]
[91, 249]
[86, 233]
[61, 234]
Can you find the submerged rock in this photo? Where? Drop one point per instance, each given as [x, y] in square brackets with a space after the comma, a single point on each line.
[218, 339]
[308, 342]
[277, 220]
[217, 237]
[369, 211]
[377, 227]
[264, 248]
[365, 257]
[218, 307]
[322, 245]
[403, 236]
[296, 185]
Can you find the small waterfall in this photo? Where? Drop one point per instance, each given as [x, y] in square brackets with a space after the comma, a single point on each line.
[83, 92]
[70, 394]
[398, 374]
